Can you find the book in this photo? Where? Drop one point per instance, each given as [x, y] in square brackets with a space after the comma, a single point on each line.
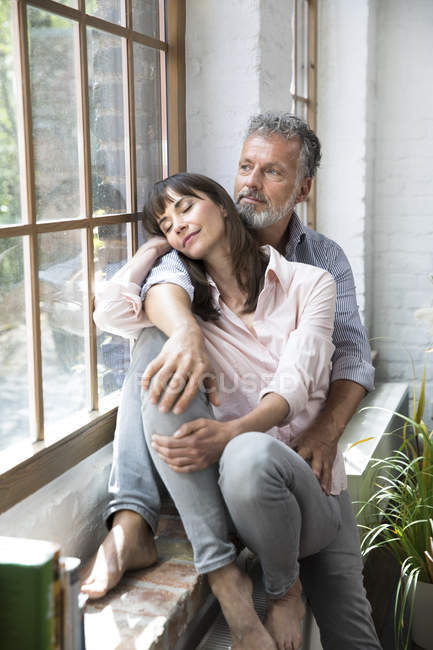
[28, 573]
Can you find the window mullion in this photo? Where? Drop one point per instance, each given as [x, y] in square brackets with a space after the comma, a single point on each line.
[175, 26]
[30, 243]
[131, 160]
[312, 95]
[295, 53]
[129, 117]
[164, 96]
[90, 343]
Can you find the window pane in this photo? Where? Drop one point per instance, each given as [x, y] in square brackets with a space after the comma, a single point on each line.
[113, 351]
[14, 412]
[54, 111]
[69, 3]
[145, 17]
[62, 282]
[10, 208]
[107, 122]
[111, 10]
[147, 91]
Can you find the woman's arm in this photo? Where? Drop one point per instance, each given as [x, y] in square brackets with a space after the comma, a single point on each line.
[118, 305]
[305, 360]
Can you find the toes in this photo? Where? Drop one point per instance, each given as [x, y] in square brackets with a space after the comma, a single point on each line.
[94, 590]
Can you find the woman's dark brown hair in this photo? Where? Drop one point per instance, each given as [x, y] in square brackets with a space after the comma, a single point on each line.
[249, 263]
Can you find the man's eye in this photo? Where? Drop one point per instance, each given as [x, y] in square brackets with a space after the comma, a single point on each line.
[244, 168]
[273, 172]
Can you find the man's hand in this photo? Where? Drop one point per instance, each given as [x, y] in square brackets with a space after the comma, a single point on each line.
[318, 444]
[179, 369]
[319, 451]
[144, 258]
[197, 444]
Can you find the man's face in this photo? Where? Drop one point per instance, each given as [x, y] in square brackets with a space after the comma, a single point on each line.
[265, 187]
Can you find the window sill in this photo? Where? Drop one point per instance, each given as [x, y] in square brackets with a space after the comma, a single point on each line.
[27, 467]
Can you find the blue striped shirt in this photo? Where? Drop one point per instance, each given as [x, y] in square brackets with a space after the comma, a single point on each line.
[351, 358]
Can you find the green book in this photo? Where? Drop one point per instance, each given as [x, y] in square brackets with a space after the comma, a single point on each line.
[27, 620]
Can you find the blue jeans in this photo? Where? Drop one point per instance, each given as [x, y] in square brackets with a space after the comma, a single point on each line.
[261, 487]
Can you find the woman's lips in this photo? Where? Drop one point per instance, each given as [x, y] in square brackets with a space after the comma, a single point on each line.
[189, 237]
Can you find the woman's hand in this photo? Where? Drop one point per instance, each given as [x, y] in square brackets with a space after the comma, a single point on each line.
[145, 257]
[197, 444]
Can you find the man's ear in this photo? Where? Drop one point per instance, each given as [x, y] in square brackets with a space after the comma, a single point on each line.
[304, 189]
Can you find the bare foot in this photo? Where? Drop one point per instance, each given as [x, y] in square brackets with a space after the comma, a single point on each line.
[234, 592]
[283, 619]
[128, 545]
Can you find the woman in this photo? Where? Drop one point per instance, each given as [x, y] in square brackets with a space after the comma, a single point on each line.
[268, 326]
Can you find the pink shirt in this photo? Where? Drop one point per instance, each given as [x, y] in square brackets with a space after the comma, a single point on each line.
[290, 354]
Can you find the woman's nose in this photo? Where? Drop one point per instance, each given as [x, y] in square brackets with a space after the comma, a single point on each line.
[179, 226]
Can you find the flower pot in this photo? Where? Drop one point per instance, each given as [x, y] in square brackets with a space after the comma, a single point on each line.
[422, 622]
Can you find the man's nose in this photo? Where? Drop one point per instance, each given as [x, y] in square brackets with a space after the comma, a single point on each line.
[254, 179]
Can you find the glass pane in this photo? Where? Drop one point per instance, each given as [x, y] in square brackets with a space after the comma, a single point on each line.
[69, 3]
[111, 10]
[14, 412]
[113, 351]
[107, 122]
[147, 91]
[61, 281]
[10, 207]
[145, 17]
[54, 111]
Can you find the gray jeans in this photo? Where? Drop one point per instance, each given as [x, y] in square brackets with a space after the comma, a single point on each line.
[267, 491]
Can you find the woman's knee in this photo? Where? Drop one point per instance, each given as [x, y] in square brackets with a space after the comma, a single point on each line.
[247, 464]
[166, 424]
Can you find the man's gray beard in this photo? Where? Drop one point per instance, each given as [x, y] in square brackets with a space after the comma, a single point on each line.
[267, 217]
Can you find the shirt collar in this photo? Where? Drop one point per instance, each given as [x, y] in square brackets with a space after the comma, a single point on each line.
[296, 233]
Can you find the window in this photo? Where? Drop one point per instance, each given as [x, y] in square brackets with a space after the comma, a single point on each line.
[89, 90]
[303, 90]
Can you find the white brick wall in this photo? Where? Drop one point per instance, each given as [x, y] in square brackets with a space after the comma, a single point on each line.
[403, 186]
[238, 58]
[375, 186]
[375, 120]
[342, 128]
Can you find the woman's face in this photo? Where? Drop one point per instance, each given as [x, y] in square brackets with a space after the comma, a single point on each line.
[193, 225]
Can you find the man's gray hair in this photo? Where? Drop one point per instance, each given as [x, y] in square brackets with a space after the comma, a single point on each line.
[289, 126]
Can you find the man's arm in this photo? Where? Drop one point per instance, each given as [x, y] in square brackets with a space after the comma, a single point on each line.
[183, 363]
[352, 375]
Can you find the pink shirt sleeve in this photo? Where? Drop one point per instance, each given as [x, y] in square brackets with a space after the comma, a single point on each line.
[118, 305]
[119, 310]
[305, 363]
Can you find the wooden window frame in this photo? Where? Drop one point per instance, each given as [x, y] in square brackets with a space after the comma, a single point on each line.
[307, 22]
[28, 467]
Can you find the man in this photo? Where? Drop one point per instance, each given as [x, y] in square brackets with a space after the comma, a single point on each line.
[278, 161]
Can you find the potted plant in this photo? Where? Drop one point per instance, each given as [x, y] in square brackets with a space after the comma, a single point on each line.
[399, 517]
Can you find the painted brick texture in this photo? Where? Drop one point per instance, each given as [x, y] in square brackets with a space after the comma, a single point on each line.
[403, 187]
